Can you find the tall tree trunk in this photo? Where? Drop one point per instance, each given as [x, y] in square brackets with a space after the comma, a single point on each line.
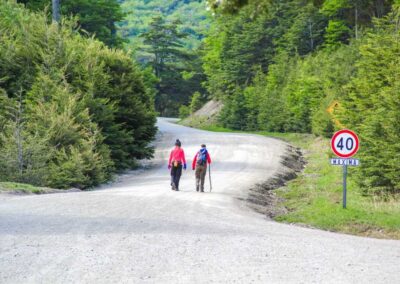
[56, 10]
[356, 19]
[310, 28]
[18, 136]
[380, 8]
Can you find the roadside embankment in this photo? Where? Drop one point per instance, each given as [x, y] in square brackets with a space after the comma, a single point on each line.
[205, 116]
[308, 192]
[263, 198]
[23, 189]
[314, 198]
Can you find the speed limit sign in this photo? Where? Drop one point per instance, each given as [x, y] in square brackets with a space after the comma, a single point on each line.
[345, 143]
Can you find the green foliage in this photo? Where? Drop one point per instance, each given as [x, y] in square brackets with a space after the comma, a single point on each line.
[240, 45]
[172, 65]
[336, 32]
[23, 160]
[315, 198]
[333, 8]
[315, 67]
[228, 6]
[184, 111]
[22, 187]
[96, 17]
[167, 35]
[296, 94]
[196, 102]
[372, 107]
[273, 115]
[234, 111]
[212, 62]
[74, 111]
[192, 14]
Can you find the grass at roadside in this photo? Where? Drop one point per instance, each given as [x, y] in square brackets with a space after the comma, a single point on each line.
[13, 187]
[314, 198]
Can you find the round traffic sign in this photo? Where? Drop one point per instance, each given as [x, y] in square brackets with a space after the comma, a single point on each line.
[345, 143]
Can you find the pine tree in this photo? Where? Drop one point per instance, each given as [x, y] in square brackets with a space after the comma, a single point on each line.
[372, 107]
[85, 113]
[96, 18]
[170, 63]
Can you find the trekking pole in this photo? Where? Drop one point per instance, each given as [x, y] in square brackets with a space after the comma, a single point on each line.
[209, 175]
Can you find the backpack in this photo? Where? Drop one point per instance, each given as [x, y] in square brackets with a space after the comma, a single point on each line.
[202, 157]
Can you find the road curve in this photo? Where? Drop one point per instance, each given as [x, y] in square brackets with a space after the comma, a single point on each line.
[139, 231]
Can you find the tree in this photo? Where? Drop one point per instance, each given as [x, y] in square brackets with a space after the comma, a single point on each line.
[196, 102]
[72, 111]
[372, 107]
[230, 6]
[164, 42]
[192, 13]
[95, 17]
[171, 63]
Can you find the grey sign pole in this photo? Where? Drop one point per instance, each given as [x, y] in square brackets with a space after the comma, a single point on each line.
[345, 144]
[344, 185]
[345, 163]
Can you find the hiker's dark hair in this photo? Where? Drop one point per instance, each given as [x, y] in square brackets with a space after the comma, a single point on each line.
[203, 145]
[178, 143]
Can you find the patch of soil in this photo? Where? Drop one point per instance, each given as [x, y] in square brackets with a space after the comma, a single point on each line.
[207, 115]
[262, 197]
[371, 231]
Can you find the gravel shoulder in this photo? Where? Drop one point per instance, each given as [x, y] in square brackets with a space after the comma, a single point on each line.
[138, 230]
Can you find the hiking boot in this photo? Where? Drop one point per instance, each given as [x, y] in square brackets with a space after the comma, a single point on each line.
[173, 186]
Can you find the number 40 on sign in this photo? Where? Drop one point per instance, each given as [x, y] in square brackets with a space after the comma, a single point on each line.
[345, 143]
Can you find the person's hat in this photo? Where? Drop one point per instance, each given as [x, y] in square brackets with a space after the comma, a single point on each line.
[178, 143]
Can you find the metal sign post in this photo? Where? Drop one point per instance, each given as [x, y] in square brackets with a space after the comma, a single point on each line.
[344, 185]
[345, 144]
[345, 163]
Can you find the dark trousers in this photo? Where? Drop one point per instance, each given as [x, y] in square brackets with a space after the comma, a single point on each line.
[176, 173]
[200, 174]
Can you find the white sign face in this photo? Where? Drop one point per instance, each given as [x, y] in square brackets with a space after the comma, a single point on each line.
[348, 162]
[345, 143]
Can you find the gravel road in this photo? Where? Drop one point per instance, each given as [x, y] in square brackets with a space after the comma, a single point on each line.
[139, 231]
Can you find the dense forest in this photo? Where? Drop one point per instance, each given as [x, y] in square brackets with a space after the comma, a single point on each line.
[166, 37]
[72, 110]
[97, 18]
[75, 107]
[193, 15]
[312, 67]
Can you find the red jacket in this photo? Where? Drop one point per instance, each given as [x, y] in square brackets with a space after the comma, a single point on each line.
[177, 154]
[195, 160]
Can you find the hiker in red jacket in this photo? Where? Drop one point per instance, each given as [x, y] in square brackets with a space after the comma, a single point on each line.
[176, 160]
[200, 161]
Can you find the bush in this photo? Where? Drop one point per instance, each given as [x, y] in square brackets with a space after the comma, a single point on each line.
[74, 110]
[184, 111]
[372, 107]
[196, 102]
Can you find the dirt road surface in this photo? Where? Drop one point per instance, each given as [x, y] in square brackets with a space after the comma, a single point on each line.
[139, 231]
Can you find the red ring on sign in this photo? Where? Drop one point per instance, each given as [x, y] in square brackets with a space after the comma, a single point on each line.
[345, 131]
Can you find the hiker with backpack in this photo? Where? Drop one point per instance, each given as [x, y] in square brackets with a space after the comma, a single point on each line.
[200, 161]
[175, 163]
